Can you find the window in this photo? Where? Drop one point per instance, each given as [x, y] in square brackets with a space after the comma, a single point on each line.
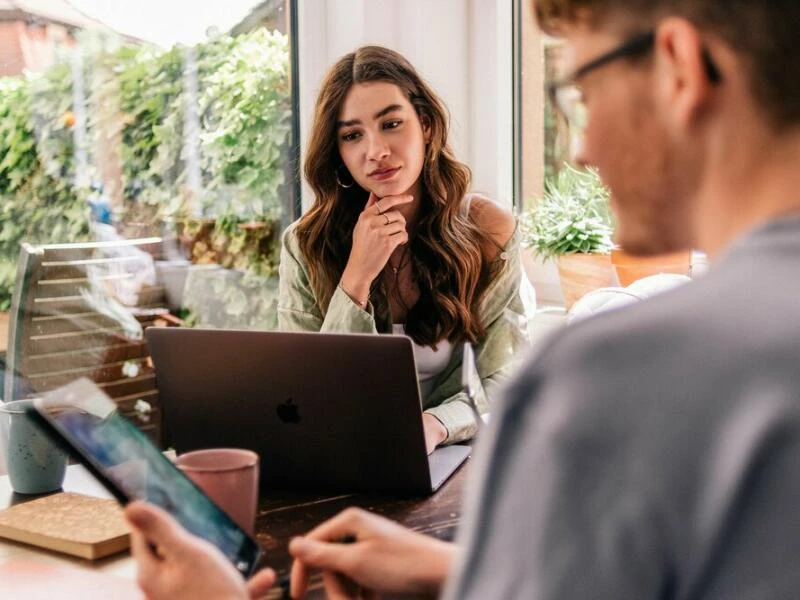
[159, 141]
[529, 98]
[173, 120]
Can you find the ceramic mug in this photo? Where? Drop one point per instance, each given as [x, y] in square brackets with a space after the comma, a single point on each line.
[230, 478]
[35, 464]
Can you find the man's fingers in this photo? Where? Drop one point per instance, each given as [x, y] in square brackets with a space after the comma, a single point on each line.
[344, 523]
[298, 582]
[146, 560]
[321, 555]
[260, 584]
[156, 526]
[338, 587]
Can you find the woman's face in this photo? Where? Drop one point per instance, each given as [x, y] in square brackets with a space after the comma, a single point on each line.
[381, 139]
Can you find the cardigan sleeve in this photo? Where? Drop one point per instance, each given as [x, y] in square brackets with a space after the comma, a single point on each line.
[504, 313]
[298, 309]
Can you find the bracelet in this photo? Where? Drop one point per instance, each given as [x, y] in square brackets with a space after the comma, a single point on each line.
[361, 304]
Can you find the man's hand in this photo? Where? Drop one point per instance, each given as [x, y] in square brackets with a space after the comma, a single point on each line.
[435, 432]
[173, 564]
[384, 558]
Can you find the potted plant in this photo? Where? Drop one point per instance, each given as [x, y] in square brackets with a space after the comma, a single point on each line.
[571, 224]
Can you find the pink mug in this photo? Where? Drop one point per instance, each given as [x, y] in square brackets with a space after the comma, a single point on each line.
[230, 478]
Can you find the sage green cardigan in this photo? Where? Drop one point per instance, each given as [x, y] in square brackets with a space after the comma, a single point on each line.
[502, 312]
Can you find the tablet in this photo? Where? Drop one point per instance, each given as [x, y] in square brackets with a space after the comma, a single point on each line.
[81, 417]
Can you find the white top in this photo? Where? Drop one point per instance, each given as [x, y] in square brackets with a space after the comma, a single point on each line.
[430, 362]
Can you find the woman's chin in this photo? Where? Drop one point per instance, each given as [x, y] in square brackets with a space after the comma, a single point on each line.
[390, 188]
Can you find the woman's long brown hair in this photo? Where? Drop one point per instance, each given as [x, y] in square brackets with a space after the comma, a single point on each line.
[447, 260]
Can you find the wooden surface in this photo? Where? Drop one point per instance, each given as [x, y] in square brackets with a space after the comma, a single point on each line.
[281, 516]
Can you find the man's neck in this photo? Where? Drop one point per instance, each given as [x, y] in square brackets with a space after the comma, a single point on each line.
[755, 183]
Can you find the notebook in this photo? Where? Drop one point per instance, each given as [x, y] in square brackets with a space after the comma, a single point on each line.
[323, 411]
[70, 523]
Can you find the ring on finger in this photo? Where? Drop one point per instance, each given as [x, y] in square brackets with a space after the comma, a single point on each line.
[378, 207]
[385, 216]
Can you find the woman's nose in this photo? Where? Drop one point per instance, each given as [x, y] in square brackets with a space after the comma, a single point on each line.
[378, 148]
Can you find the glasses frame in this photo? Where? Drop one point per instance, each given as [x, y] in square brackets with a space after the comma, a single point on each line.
[636, 45]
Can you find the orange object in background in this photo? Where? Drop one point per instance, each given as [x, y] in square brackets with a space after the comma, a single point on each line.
[631, 268]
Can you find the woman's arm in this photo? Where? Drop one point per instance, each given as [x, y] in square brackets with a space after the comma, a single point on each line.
[298, 309]
[504, 315]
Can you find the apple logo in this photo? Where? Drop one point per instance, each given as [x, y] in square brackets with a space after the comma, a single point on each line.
[288, 412]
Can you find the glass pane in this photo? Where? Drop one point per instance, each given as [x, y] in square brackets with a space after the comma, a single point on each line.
[149, 119]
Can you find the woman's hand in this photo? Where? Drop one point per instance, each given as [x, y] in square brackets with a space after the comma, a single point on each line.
[435, 432]
[379, 230]
[173, 564]
[384, 558]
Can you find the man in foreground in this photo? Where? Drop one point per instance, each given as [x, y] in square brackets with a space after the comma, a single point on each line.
[653, 452]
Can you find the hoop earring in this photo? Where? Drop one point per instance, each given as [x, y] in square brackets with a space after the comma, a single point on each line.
[339, 181]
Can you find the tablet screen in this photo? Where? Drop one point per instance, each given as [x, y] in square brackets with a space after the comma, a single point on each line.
[91, 424]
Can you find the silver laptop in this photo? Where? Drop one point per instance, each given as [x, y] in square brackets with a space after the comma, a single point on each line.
[323, 411]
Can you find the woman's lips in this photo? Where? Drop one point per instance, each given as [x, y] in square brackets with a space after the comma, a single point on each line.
[384, 174]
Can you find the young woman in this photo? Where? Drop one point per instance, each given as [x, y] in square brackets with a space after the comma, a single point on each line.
[393, 242]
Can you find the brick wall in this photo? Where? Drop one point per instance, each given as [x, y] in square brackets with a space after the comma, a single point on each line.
[31, 47]
[11, 60]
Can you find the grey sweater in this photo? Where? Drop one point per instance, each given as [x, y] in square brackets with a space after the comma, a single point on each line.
[654, 452]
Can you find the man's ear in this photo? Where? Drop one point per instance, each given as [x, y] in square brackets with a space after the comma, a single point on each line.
[683, 81]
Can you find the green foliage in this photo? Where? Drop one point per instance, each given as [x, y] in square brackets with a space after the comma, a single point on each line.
[19, 161]
[8, 271]
[137, 94]
[247, 121]
[38, 199]
[150, 94]
[572, 216]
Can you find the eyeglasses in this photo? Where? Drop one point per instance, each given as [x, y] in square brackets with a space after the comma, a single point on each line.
[567, 97]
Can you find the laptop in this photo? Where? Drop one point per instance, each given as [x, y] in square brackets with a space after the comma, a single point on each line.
[323, 411]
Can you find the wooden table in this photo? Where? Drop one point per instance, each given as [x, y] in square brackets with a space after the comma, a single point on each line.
[281, 516]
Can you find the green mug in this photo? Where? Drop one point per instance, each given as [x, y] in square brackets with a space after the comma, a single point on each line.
[35, 464]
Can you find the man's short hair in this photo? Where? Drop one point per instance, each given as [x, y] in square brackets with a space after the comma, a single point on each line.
[764, 33]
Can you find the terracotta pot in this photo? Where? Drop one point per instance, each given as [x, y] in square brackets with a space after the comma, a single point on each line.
[632, 268]
[582, 273]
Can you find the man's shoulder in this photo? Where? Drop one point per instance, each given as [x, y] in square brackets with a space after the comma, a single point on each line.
[666, 318]
[696, 340]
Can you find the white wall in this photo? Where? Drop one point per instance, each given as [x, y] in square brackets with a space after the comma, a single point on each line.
[462, 47]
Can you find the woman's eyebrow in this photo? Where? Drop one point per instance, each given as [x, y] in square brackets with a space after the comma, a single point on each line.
[381, 113]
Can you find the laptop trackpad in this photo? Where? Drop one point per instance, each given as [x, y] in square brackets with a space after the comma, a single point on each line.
[444, 461]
